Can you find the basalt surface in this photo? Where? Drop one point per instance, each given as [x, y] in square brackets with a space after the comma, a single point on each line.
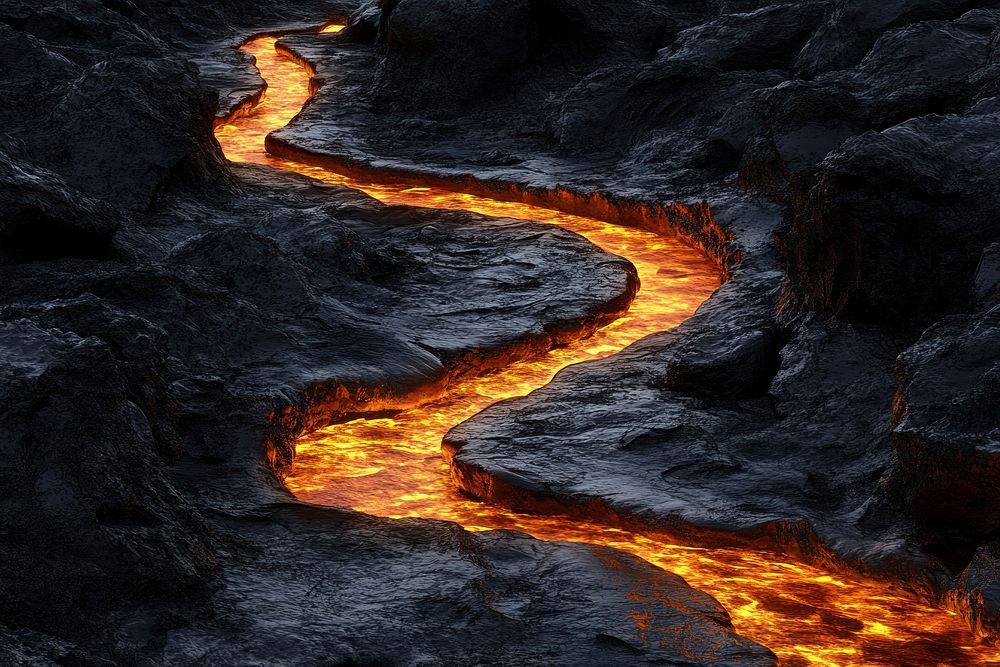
[169, 324]
[841, 160]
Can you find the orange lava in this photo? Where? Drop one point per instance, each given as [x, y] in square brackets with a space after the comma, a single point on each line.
[392, 466]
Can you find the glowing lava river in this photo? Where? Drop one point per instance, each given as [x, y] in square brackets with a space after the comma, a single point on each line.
[392, 467]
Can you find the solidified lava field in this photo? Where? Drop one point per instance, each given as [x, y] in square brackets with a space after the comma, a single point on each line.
[506, 332]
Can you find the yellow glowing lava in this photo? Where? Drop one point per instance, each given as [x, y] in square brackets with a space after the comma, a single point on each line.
[392, 467]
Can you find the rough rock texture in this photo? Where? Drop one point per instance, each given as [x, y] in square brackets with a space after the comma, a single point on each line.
[689, 433]
[430, 30]
[170, 323]
[42, 217]
[944, 468]
[426, 593]
[945, 433]
[988, 278]
[81, 459]
[939, 219]
[840, 156]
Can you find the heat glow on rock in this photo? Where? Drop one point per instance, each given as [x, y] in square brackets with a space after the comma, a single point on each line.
[392, 467]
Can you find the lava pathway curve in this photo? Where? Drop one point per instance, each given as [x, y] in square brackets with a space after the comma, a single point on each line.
[393, 467]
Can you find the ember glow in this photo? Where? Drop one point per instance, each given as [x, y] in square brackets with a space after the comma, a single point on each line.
[392, 467]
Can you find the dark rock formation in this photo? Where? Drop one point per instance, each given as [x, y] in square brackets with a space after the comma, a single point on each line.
[425, 34]
[453, 597]
[676, 435]
[945, 425]
[910, 256]
[988, 277]
[41, 217]
[944, 468]
[853, 27]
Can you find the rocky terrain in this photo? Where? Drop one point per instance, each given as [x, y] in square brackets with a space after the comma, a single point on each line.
[169, 323]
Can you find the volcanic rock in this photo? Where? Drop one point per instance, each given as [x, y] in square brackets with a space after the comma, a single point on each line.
[911, 257]
[422, 35]
[456, 597]
[853, 26]
[714, 460]
[115, 143]
[944, 468]
[80, 459]
[41, 217]
[945, 433]
[988, 277]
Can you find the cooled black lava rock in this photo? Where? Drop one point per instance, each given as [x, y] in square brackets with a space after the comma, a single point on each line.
[767, 38]
[127, 125]
[43, 218]
[946, 435]
[425, 593]
[425, 33]
[988, 277]
[91, 518]
[944, 469]
[914, 254]
[769, 453]
[853, 27]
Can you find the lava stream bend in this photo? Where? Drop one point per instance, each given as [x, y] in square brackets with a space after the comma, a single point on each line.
[392, 466]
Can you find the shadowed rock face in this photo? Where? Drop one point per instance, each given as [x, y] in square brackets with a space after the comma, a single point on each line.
[42, 217]
[869, 128]
[83, 476]
[170, 323]
[853, 27]
[944, 469]
[911, 256]
[945, 432]
[496, 31]
[498, 598]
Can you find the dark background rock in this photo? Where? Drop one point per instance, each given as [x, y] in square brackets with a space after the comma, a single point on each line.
[494, 35]
[988, 277]
[907, 257]
[945, 432]
[41, 217]
[92, 522]
[457, 597]
[127, 125]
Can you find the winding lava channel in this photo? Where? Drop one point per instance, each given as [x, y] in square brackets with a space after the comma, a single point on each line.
[392, 467]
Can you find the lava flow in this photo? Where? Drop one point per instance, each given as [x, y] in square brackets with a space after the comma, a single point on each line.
[392, 466]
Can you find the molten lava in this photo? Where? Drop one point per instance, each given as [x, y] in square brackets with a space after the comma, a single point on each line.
[392, 466]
